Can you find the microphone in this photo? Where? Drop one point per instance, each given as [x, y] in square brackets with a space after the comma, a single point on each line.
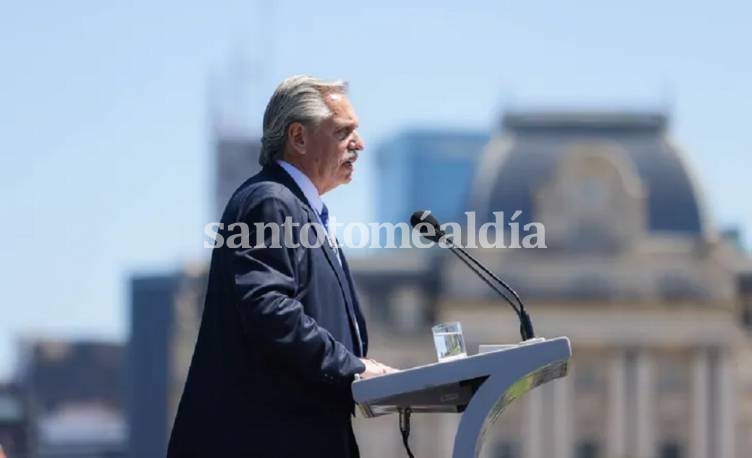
[428, 227]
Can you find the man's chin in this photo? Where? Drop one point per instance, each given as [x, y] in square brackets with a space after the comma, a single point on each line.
[347, 175]
[343, 179]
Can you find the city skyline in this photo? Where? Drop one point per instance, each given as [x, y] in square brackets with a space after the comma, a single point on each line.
[108, 124]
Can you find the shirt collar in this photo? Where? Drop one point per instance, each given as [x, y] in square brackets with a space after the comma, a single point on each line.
[305, 184]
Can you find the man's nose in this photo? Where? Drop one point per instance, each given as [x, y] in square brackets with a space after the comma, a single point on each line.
[358, 142]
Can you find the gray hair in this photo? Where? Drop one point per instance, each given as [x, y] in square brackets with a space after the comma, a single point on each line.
[299, 98]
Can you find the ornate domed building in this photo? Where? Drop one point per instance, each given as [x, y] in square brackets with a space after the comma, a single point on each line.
[604, 186]
[627, 264]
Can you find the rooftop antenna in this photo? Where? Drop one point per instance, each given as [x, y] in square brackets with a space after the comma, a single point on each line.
[506, 103]
[668, 98]
[236, 101]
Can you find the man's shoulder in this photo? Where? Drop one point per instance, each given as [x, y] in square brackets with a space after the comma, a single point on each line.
[260, 188]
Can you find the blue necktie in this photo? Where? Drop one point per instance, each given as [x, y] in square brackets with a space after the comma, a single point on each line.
[324, 215]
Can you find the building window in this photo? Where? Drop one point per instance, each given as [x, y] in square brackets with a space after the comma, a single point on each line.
[588, 377]
[506, 449]
[747, 310]
[673, 376]
[587, 449]
[671, 449]
[591, 287]
[676, 287]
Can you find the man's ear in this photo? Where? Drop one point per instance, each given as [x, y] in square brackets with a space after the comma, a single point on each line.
[296, 137]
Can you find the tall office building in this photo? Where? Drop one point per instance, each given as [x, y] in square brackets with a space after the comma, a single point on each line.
[235, 128]
[165, 314]
[235, 160]
[426, 169]
[16, 432]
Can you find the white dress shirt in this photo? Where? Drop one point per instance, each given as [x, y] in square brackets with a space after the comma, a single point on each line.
[312, 195]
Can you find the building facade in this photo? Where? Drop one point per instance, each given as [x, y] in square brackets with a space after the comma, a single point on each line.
[73, 399]
[633, 272]
[16, 429]
[164, 318]
[235, 159]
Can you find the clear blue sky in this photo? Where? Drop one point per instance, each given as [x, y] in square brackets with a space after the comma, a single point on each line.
[104, 123]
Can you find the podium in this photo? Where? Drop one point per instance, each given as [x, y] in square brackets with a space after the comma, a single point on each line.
[479, 386]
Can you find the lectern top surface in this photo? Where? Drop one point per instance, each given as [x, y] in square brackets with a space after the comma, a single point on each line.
[437, 374]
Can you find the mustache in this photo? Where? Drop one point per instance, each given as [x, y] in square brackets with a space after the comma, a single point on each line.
[352, 155]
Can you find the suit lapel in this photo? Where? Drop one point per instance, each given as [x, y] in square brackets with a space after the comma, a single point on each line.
[331, 256]
[278, 174]
[344, 284]
[361, 322]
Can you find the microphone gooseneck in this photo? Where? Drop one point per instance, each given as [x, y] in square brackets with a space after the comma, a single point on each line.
[428, 227]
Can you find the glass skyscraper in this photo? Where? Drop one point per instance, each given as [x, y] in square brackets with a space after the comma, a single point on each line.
[426, 170]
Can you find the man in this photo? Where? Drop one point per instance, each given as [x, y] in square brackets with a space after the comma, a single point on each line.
[282, 335]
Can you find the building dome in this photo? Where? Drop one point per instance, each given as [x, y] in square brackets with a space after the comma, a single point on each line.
[534, 147]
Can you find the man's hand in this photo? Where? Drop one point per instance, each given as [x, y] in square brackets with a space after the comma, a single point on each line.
[375, 368]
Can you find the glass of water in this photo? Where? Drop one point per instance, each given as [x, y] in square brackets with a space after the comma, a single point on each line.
[448, 340]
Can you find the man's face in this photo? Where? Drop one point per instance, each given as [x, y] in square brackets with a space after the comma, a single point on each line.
[332, 147]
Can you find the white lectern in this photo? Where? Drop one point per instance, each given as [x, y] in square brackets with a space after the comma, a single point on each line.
[478, 386]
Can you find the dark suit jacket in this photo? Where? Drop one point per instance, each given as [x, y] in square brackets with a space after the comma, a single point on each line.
[277, 349]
